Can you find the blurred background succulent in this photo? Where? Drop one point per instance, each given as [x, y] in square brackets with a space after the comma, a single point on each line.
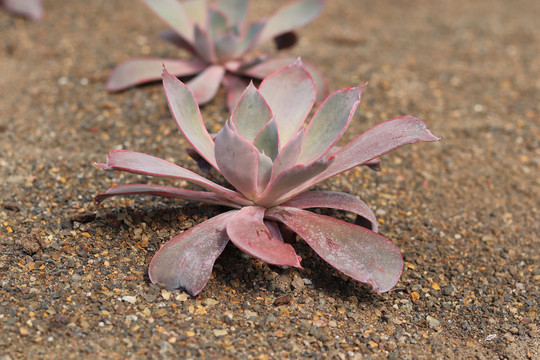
[270, 158]
[31, 9]
[219, 38]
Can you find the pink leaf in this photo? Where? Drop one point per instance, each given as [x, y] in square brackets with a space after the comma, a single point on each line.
[264, 66]
[237, 160]
[186, 261]
[248, 232]
[286, 158]
[235, 86]
[290, 179]
[31, 9]
[165, 191]
[355, 251]
[206, 84]
[292, 16]
[329, 124]
[145, 164]
[187, 115]
[174, 14]
[334, 200]
[291, 93]
[375, 142]
[139, 71]
[234, 10]
[227, 46]
[174, 38]
[204, 46]
[251, 113]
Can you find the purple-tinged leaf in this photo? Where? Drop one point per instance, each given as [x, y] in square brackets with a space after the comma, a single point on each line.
[234, 10]
[196, 11]
[290, 179]
[32, 9]
[187, 115]
[165, 191]
[235, 86]
[201, 162]
[334, 200]
[247, 231]
[139, 71]
[263, 66]
[174, 38]
[292, 16]
[204, 45]
[320, 80]
[250, 38]
[354, 250]
[291, 93]
[227, 46]
[288, 154]
[274, 229]
[251, 113]
[374, 164]
[375, 142]
[264, 172]
[237, 160]
[174, 14]
[206, 84]
[267, 140]
[329, 124]
[145, 164]
[217, 23]
[186, 261]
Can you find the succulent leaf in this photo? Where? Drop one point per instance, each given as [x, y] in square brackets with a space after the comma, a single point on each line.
[375, 142]
[171, 36]
[204, 46]
[290, 92]
[234, 86]
[196, 11]
[206, 84]
[144, 164]
[186, 261]
[227, 46]
[355, 251]
[287, 156]
[251, 113]
[237, 160]
[174, 14]
[186, 113]
[248, 232]
[250, 38]
[267, 140]
[289, 179]
[165, 191]
[31, 9]
[235, 10]
[139, 71]
[265, 172]
[329, 123]
[334, 200]
[217, 25]
[292, 16]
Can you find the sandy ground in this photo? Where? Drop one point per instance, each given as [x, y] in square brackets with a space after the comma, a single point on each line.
[464, 211]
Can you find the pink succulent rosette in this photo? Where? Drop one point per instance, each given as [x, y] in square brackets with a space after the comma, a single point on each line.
[271, 159]
[31, 9]
[219, 38]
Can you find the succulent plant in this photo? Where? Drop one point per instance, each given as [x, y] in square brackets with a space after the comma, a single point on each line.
[270, 158]
[218, 36]
[31, 9]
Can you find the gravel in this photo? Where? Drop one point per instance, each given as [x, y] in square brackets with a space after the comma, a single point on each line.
[464, 211]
